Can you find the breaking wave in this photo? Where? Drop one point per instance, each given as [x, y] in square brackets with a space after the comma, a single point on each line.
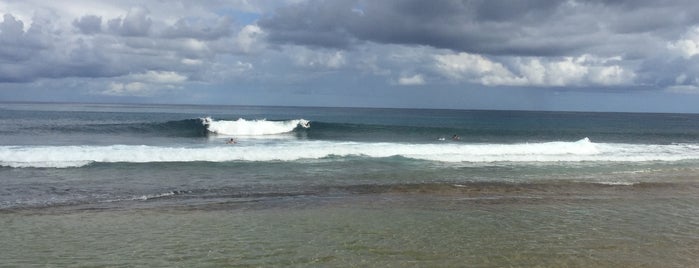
[242, 127]
[582, 150]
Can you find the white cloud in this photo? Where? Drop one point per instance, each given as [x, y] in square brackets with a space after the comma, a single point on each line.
[195, 45]
[249, 39]
[318, 59]
[145, 84]
[243, 66]
[187, 61]
[534, 71]
[475, 68]
[414, 80]
[688, 46]
[159, 77]
[127, 89]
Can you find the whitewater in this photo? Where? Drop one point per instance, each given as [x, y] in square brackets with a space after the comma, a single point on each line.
[243, 127]
[293, 150]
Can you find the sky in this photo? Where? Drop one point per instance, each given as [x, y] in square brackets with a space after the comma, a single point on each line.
[597, 55]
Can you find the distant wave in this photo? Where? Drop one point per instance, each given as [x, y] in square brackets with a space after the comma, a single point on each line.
[176, 128]
[559, 151]
[242, 127]
[199, 127]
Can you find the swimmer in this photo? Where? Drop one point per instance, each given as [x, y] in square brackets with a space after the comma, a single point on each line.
[231, 141]
[455, 137]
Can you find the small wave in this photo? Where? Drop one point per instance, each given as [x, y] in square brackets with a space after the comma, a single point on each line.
[141, 197]
[242, 127]
[154, 196]
[617, 183]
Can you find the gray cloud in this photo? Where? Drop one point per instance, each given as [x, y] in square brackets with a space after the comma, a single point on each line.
[199, 29]
[16, 45]
[133, 43]
[136, 23]
[494, 27]
[89, 24]
[312, 44]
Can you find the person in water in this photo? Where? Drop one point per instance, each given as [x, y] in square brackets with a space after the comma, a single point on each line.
[455, 137]
[231, 141]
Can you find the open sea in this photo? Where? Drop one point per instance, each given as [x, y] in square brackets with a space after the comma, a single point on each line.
[112, 185]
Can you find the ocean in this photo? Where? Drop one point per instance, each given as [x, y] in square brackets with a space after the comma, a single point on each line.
[163, 185]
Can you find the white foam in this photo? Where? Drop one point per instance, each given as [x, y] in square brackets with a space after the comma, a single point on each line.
[617, 183]
[290, 150]
[140, 198]
[242, 127]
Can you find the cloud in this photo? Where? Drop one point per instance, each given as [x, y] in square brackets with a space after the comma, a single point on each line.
[152, 48]
[496, 27]
[475, 68]
[16, 44]
[127, 89]
[148, 83]
[414, 80]
[688, 45]
[53, 46]
[318, 59]
[198, 28]
[533, 71]
[89, 24]
[160, 77]
[249, 39]
[136, 23]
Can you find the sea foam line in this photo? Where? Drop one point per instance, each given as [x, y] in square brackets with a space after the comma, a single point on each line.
[583, 150]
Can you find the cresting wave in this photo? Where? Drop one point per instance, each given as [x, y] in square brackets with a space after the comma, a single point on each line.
[583, 150]
[242, 127]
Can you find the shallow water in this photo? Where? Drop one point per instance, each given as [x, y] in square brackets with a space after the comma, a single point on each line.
[636, 228]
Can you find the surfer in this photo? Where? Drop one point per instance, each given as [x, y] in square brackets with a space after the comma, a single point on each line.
[231, 141]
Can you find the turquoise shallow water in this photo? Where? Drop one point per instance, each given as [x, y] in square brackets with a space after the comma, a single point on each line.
[137, 185]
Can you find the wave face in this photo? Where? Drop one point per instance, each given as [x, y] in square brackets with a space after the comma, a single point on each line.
[242, 127]
[174, 128]
[546, 152]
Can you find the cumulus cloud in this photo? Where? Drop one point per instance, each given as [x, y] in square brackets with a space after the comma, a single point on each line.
[688, 45]
[534, 71]
[475, 68]
[107, 41]
[136, 23]
[249, 39]
[157, 46]
[18, 45]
